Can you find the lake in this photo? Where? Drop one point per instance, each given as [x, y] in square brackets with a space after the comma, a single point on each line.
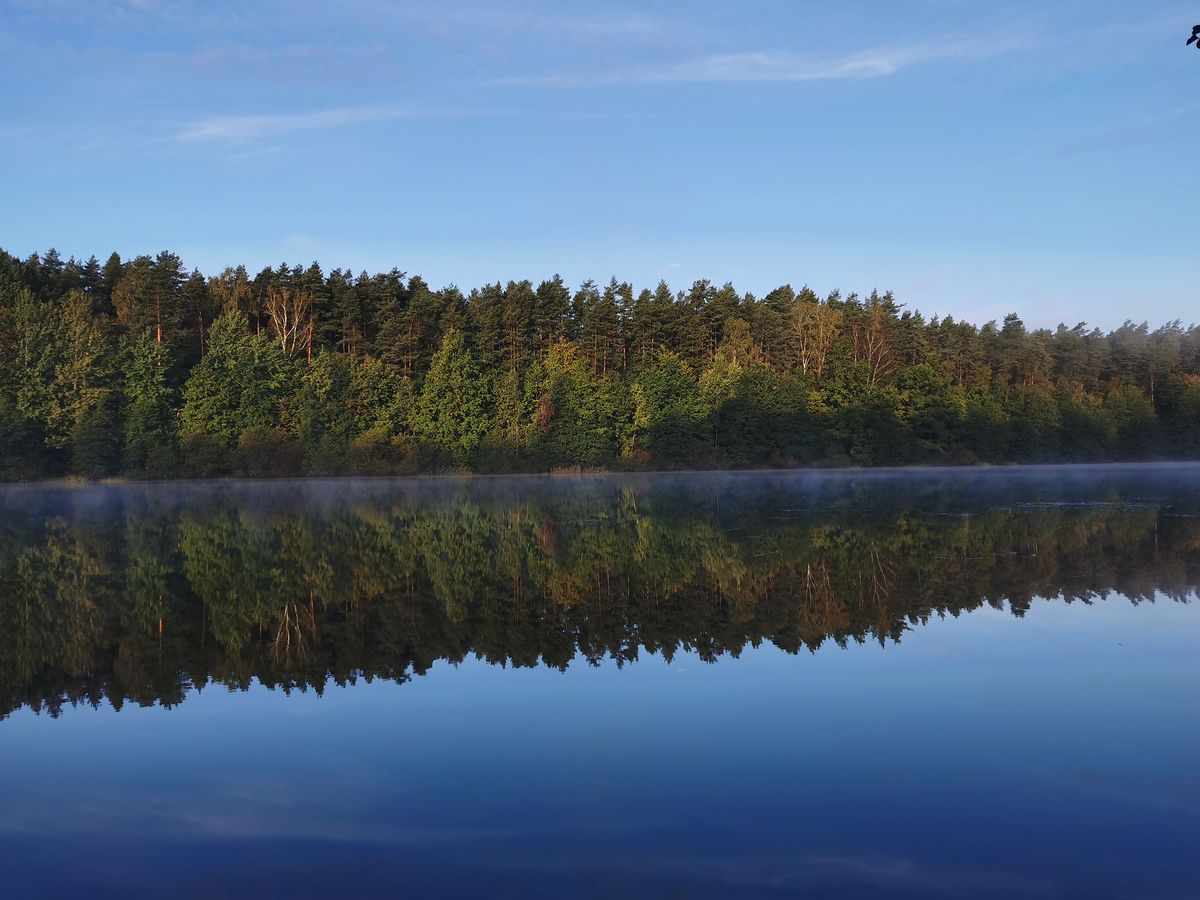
[937, 683]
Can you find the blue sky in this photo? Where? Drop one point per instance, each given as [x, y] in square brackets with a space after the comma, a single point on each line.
[974, 157]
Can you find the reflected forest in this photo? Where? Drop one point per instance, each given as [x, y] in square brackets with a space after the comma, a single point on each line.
[141, 368]
[141, 593]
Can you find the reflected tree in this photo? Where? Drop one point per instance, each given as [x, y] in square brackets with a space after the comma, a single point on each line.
[141, 593]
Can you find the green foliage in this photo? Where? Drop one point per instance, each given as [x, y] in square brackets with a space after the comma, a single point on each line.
[576, 410]
[400, 377]
[138, 597]
[321, 409]
[96, 442]
[268, 453]
[382, 400]
[205, 456]
[506, 442]
[22, 448]
[668, 412]
[1179, 408]
[240, 383]
[30, 358]
[150, 426]
[78, 401]
[451, 414]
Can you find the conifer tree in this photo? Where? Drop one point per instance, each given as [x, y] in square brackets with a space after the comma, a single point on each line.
[82, 383]
[452, 411]
[240, 383]
[148, 419]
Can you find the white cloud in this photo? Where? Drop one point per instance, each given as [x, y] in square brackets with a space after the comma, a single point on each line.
[242, 128]
[781, 66]
[493, 18]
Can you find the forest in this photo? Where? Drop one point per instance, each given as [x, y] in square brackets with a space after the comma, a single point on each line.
[141, 368]
[141, 592]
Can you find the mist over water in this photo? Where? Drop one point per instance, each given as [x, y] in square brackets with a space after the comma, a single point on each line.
[959, 682]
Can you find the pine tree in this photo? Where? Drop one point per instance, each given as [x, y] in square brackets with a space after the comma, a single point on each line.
[345, 325]
[576, 411]
[167, 277]
[110, 277]
[381, 399]
[520, 323]
[553, 312]
[22, 444]
[91, 280]
[196, 310]
[485, 318]
[96, 441]
[321, 409]
[149, 423]
[452, 412]
[240, 384]
[28, 370]
[602, 338]
[668, 413]
[83, 379]
[129, 295]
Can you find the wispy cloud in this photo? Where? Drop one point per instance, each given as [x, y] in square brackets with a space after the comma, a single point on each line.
[493, 18]
[780, 66]
[242, 128]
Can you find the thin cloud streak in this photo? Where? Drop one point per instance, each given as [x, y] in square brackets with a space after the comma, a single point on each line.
[242, 128]
[239, 129]
[780, 66]
[245, 127]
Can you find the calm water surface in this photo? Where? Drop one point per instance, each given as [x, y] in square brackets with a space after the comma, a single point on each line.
[938, 684]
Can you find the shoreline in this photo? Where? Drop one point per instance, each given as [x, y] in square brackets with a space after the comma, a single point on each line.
[446, 477]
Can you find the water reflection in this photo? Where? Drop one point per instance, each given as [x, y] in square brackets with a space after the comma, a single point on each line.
[142, 592]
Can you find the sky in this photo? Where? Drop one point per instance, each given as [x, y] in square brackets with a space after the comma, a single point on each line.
[976, 158]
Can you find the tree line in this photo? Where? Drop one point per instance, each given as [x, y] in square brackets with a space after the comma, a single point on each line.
[143, 593]
[143, 368]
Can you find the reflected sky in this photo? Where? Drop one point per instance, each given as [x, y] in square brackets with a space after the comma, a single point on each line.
[982, 754]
